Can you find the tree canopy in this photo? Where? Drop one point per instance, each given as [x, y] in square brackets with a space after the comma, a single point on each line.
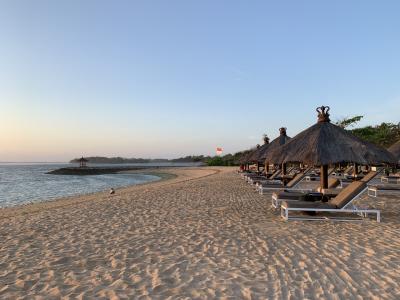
[346, 122]
[385, 134]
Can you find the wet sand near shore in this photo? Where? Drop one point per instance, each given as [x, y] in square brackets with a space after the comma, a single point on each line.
[201, 233]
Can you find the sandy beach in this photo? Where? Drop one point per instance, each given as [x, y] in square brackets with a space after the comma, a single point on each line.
[200, 234]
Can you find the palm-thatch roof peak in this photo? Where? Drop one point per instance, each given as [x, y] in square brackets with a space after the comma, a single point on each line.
[265, 139]
[279, 141]
[254, 156]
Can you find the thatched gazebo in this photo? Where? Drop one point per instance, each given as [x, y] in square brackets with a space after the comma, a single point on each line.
[325, 143]
[255, 155]
[246, 158]
[276, 143]
[243, 161]
[82, 162]
[395, 150]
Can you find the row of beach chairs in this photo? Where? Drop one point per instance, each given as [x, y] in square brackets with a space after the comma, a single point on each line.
[337, 200]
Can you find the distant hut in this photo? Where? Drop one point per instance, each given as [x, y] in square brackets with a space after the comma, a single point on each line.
[255, 155]
[246, 158]
[325, 143]
[82, 162]
[395, 150]
[276, 143]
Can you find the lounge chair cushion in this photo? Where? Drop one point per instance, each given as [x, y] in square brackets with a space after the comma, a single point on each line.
[300, 196]
[347, 194]
[272, 185]
[369, 176]
[295, 180]
[291, 195]
[333, 182]
[305, 204]
[331, 192]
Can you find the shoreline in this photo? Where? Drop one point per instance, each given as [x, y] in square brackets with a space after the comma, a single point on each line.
[161, 176]
[37, 205]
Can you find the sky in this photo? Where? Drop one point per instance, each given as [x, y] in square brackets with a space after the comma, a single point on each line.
[172, 78]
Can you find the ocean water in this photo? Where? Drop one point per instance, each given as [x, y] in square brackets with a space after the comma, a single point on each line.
[26, 183]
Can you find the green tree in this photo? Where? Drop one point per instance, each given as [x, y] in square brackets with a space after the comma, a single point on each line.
[346, 122]
[385, 134]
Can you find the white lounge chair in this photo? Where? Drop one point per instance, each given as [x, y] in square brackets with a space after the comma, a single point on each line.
[296, 195]
[373, 189]
[341, 204]
[292, 184]
[390, 179]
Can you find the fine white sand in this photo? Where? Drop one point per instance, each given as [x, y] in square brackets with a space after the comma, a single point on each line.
[203, 234]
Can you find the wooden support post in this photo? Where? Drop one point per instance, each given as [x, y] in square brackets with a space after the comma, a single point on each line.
[324, 176]
[284, 180]
[355, 172]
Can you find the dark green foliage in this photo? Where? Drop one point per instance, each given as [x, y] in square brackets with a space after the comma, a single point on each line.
[190, 158]
[346, 122]
[216, 161]
[385, 134]
[226, 160]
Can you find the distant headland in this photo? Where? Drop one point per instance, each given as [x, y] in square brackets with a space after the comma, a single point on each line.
[94, 170]
[121, 160]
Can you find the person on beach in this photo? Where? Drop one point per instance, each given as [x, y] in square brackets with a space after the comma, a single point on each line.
[112, 191]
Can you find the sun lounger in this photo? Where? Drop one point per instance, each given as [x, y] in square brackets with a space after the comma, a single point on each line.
[295, 195]
[262, 188]
[256, 179]
[271, 179]
[341, 204]
[342, 172]
[256, 174]
[312, 177]
[373, 189]
[275, 174]
[250, 175]
[316, 176]
[277, 180]
[390, 179]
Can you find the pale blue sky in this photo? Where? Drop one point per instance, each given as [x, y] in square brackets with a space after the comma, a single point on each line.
[173, 78]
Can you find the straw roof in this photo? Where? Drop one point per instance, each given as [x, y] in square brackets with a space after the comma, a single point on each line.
[255, 155]
[395, 150]
[247, 156]
[325, 143]
[243, 158]
[276, 143]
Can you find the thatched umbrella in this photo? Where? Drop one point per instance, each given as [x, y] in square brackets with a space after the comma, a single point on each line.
[395, 150]
[245, 159]
[276, 143]
[325, 143]
[252, 153]
[255, 155]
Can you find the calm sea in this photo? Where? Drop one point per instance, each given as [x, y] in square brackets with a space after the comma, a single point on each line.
[24, 183]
